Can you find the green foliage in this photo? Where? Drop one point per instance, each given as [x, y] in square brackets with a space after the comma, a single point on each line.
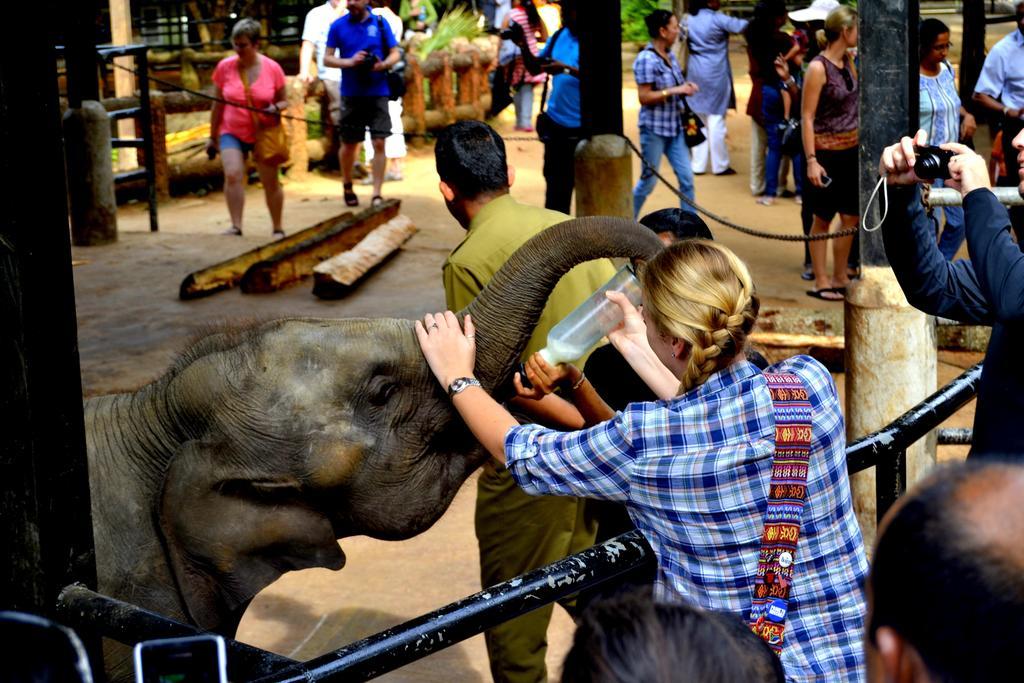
[457, 23]
[633, 12]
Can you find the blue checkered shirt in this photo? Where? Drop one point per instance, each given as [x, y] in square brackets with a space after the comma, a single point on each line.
[650, 69]
[693, 472]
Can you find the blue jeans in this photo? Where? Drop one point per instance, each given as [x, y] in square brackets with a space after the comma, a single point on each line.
[953, 233]
[771, 107]
[523, 100]
[653, 146]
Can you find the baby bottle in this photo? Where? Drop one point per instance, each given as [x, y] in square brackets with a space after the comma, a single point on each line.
[595, 317]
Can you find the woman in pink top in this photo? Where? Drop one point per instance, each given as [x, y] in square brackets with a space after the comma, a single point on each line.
[525, 14]
[233, 130]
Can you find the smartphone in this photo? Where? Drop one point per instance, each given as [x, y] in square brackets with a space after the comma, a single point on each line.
[195, 659]
[825, 181]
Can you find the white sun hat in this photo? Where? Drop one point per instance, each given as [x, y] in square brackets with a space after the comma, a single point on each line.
[818, 10]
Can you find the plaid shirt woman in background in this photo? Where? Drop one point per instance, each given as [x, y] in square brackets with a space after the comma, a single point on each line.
[693, 468]
[659, 84]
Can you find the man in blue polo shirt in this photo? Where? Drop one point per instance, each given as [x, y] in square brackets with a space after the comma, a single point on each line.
[364, 48]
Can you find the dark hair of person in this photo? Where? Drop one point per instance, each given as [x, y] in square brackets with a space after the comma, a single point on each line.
[927, 32]
[760, 34]
[657, 20]
[470, 157]
[631, 638]
[684, 225]
[697, 6]
[570, 20]
[930, 567]
[532, 15]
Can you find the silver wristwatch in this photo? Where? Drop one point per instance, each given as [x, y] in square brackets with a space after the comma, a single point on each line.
[460, 384]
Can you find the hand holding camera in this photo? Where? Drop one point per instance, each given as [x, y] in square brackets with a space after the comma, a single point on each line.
[911, 161]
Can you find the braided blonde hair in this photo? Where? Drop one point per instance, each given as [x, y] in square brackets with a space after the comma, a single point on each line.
[701, 292]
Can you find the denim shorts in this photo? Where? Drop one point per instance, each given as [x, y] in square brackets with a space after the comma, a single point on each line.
[229, 141]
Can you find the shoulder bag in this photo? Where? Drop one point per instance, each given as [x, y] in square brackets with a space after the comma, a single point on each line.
[396, 74]
[693, 127]
[787, 494]
[271, 146]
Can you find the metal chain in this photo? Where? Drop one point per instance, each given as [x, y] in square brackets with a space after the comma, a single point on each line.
[647, 167]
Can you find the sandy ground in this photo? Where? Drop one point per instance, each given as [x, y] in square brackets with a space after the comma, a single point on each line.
[131, 324]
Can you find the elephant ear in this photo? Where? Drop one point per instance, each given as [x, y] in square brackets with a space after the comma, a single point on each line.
[230, 533]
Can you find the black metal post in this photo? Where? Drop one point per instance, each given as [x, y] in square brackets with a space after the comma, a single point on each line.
[80, 50]
[146, 121]
[600, 32]
[972, 53]
[44, 487]
[887, 49]
[890, 482]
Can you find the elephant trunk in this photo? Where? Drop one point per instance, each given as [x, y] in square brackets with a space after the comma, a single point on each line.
[507, 310]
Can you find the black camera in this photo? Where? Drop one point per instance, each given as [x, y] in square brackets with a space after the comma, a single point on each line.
[932, 162]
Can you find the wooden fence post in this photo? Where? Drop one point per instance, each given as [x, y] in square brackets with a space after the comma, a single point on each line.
[414, 104]
[297, 128]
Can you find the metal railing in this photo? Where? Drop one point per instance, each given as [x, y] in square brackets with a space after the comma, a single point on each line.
[144, 115]
[602, 564]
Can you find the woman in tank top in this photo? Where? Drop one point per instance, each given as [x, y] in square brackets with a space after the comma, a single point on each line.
[829, 121]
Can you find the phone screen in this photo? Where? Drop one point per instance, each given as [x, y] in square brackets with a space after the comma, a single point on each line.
[198, 659]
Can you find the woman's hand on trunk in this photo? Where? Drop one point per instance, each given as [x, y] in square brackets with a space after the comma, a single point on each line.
[450, 352]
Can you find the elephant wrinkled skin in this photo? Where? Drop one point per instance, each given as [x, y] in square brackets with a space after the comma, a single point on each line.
[261, 447]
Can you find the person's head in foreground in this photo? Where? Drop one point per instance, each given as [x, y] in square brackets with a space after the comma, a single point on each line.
[699, 307]
[946, 589]
[470, 159]
[674, 224]
[630, 637]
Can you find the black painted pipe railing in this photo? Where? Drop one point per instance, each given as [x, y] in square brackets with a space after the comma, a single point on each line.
[396, 647]
[886, 449]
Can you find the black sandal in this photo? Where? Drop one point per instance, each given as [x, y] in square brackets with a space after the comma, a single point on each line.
[376, 201]
[350, 197]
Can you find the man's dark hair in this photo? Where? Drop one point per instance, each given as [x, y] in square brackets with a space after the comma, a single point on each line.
[927, 32]
[470, 157]
[569, 16]
[657, 20]
[684, 225]
[630, 637]
[947, 586]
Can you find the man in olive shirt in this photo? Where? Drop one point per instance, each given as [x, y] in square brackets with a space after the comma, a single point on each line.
[516, 532]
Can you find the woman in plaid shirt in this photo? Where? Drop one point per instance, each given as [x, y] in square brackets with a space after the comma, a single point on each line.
[693, 468]
[660, 87]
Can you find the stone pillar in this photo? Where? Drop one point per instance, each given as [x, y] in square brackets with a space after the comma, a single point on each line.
[90, 175]
[604, 177]
[890, 367]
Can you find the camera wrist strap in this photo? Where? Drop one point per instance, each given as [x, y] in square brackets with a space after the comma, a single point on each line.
[885, 212]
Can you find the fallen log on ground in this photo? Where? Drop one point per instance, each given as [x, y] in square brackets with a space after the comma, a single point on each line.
[226, 274]
[287, 267]
[338, 275]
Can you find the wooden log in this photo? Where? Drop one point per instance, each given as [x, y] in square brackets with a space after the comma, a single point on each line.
[442, 96]
[469, 83]
[414, 103]
[226, 274]
[339, 275]
[797, 340]
[158, 129]
[297, 128]
[297, 261]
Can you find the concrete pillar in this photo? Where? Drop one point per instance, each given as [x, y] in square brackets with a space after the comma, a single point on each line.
[90, 175]
[604, 177]
[890, 367]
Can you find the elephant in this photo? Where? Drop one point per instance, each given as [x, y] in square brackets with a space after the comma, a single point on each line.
[261, 447]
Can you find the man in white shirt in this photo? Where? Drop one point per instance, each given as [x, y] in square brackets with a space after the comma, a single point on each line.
[314, 44]
[1000, 88]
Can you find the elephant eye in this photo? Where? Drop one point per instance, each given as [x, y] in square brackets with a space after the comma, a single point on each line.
[381, 389]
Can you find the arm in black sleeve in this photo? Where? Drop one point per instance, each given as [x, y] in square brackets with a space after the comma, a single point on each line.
[997, 259]
[930, 283]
